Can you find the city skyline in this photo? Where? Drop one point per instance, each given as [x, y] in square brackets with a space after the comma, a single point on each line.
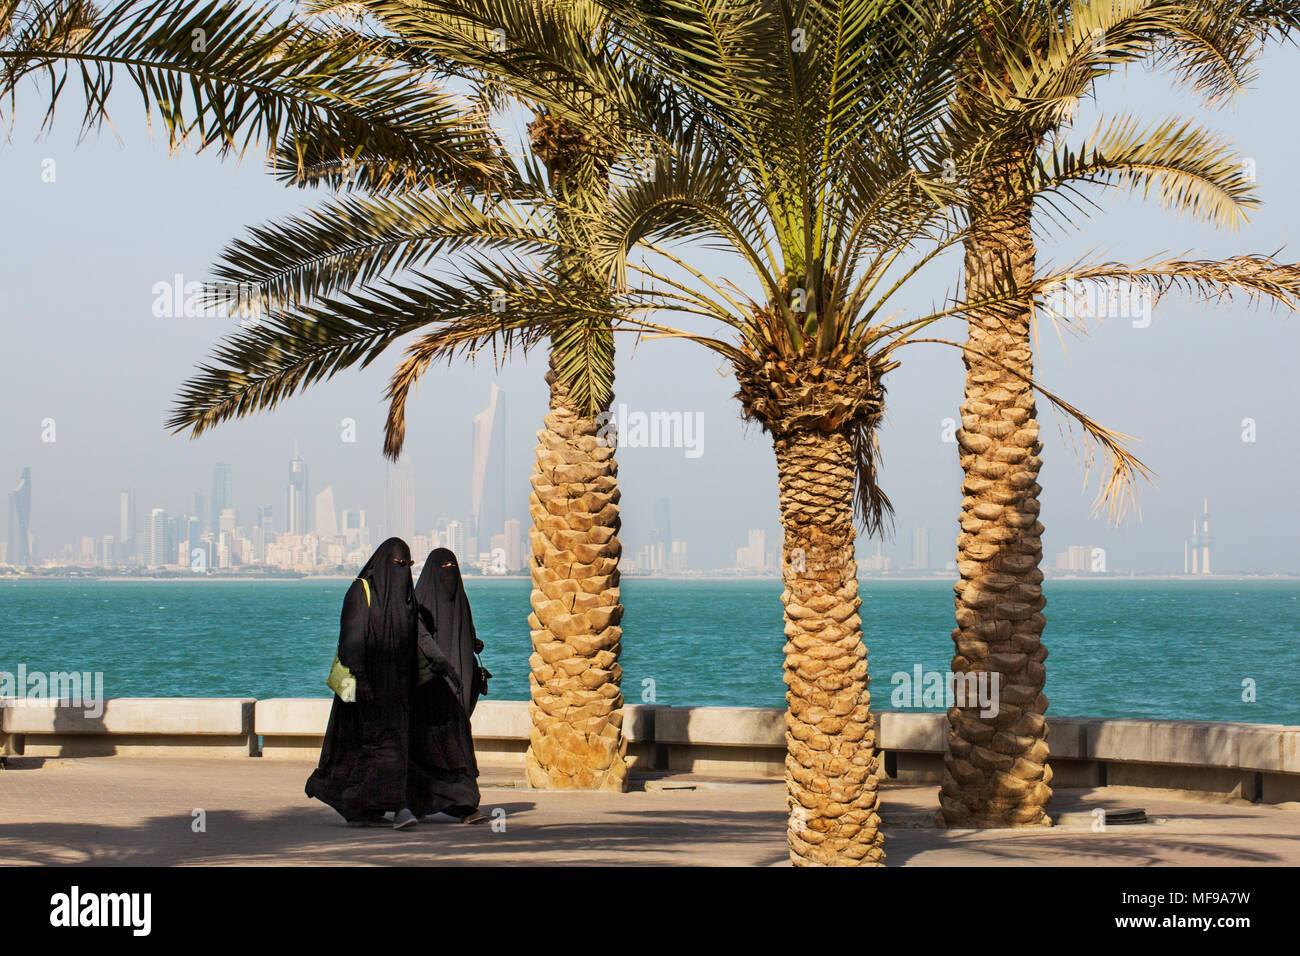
[170, 539]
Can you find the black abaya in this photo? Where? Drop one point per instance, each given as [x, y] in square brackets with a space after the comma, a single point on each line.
[443, 771]
[364, 760]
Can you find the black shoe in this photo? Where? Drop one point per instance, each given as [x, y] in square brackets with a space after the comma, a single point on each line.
[403, 819]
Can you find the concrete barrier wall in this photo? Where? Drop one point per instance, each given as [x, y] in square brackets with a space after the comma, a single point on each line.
[131, 726]
[1255, 761]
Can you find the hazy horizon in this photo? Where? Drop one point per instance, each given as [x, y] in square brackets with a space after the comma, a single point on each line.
[83, 347]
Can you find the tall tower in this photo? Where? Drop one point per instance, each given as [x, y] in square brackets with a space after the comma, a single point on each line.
[158, 549]
[1196, 549]
[1204, 537]
[126, 526]
[921, 548]
[399, 501]
[661, 525]
[483, 428]
[326, 520]
[297, 513]
[223, 495]
[20, 513]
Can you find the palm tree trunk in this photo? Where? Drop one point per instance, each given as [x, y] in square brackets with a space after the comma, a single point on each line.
[831, 763]
[576, 740]
[995, 769]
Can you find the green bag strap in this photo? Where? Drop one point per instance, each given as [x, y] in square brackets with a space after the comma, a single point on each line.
[366, 584]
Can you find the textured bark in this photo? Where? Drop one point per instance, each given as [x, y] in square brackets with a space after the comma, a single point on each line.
[995, 769]
[822, 413]
[576, 740]
[832, 765]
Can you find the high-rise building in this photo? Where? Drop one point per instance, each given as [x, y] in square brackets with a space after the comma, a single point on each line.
[921, 548]
[159, 552]
[758, 549]
[399, 501]
[20, 512]
[266, 521]
[223, 493]
[678, 560]
[1081, 558]
[193, 533]
[753, 555]
[126, 527]
[453, 537]
[107, 555]
[499, 562]
[326, 522]
[1196, 549]
[297, 515]
[514, 543]
[661, 524]
[488, 447]
[355, 531]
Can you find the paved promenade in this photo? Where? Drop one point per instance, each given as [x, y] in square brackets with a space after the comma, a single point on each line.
[122, 810]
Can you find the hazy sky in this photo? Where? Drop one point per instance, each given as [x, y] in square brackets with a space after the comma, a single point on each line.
[81, 346]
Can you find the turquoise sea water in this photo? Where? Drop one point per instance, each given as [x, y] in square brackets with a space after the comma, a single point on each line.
[1118, 649]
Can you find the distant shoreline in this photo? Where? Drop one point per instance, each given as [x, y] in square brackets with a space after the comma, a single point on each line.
[712, 578]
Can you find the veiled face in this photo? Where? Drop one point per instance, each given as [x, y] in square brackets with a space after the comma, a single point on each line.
[399, 561]
[448, 579]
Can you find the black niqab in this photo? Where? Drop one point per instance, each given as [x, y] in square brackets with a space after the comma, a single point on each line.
[392, 597]
[364, 760]
[443, 769]
[447, 640]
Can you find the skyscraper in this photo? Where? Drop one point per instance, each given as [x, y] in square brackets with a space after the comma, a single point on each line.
[158, 553]
[921, 548]
[453, 537]
[485, 428]
[20, 513]
[758, 548]
[514, 541]
[297, 515]
[399, 501]
[326, 520]
[1196, 549]
[223, 495]
[193, 532]
[266, 520]
[661, 524]
[126, 526]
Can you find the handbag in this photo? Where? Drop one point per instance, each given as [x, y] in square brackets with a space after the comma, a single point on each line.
[481, 673]
[340, 679]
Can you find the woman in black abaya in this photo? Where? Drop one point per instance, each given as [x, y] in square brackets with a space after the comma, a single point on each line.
[363, 763]
[443, 771]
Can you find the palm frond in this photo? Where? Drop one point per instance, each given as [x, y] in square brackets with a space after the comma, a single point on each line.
[227, 75]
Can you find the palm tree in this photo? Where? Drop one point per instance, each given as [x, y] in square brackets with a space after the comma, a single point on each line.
[836, 176]
[230, 75]
[1033, 60]
[591, 106]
